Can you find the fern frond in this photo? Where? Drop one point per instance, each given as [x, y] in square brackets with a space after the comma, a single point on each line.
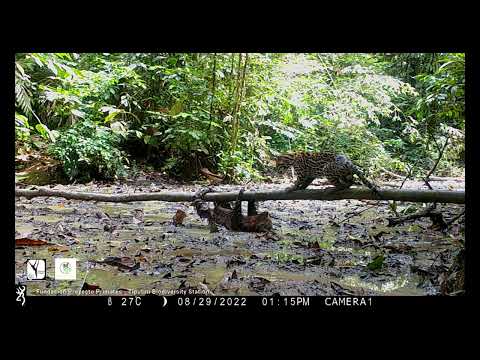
[22, 91]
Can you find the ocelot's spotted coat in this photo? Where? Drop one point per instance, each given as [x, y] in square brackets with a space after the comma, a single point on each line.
[337, 168]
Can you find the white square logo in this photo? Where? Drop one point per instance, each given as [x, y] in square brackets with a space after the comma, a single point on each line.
[65, 269]
[36, 269]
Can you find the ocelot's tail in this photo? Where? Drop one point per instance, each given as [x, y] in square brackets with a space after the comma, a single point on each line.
[358, 171]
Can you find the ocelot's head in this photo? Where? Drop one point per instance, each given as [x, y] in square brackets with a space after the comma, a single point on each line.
[284, 162]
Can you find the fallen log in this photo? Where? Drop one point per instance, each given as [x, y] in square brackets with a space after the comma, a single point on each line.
[425, 196]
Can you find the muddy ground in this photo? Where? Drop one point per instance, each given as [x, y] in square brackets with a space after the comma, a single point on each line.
[134, 248]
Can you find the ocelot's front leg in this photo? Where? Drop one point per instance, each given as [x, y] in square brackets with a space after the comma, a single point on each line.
[300, 184]
[339, 183]
[295, 186]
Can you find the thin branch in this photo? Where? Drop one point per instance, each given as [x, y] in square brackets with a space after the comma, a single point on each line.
[426, 178]
[358, 213]
[424, 213]
[406, 177]
[213, 88]
[327, 71]
[438, 159]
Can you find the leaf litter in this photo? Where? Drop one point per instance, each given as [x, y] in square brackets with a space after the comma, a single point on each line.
[312, 251]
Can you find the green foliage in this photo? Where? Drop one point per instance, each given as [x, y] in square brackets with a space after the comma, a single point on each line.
[46, 133]
[232, 112]
[22, 128]
[285, 257]
[22, 90]
[376, 263]
[333, 102]
[422, 125]
[89, 151]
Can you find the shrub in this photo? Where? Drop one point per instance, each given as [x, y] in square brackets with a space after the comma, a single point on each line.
[89, 151]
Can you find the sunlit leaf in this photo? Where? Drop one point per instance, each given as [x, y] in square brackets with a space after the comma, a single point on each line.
[78, 113]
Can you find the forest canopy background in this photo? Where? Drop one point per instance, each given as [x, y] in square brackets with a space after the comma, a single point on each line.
[102, 115]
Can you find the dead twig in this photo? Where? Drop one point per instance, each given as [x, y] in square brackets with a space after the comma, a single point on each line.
[357, 213]
[440, 155]
[436, 217]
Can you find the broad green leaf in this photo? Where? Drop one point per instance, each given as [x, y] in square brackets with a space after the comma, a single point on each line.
[23, 121]
[177, 108]
[108, 109]
[42, 130]
[112, 115]
[78, 113]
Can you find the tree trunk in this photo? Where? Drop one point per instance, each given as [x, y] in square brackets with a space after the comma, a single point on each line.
[426, 196]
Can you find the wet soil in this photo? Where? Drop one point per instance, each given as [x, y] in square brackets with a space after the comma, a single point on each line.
[317, 248]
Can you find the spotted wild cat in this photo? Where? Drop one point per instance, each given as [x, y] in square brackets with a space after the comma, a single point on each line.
[337, 168]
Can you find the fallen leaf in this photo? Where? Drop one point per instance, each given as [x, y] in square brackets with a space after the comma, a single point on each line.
[141, 258]
[340, 290]
[235, 262]
[72, 241]
[314, 245]
[206, 289]
[261, 279]
[137, 221]
[91, 287]
[356, 239]
[121, 262]
[138, 216]
[376, 263]
[179, 217]
[124, 291]
[30, 242]
[58, 248]
[314, 260]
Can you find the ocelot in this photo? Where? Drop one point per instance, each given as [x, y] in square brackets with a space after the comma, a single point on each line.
[231, 217]
[337, 168]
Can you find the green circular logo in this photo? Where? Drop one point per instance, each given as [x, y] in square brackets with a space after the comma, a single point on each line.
[65, 268]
